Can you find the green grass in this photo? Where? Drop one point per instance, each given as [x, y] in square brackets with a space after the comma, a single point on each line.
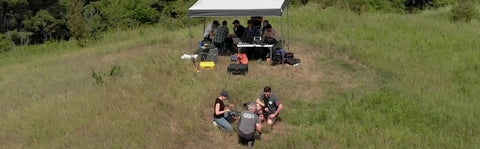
[427, 85]
[369, 81]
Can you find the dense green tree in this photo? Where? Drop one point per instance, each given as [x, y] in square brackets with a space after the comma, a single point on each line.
[76, 21]
[94, 20]
[128, 13]
[40, 20]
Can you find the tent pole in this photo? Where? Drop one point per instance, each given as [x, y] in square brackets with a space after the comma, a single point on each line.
[281, 30]
[195, 68]
[189, 33]
[288, 30]
[204, 26]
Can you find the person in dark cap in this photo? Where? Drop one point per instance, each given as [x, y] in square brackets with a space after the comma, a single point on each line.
[238, 29]
[222, 115]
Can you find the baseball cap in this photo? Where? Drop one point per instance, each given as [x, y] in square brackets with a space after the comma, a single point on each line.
[236, 21]
[225, 93]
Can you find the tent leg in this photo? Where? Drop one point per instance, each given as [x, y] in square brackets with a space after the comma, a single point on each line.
[288, 31]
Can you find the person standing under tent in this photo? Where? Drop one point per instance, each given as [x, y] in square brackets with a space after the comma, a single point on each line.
[221, 33]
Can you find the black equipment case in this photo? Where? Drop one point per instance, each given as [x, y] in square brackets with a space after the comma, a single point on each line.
[238, 68]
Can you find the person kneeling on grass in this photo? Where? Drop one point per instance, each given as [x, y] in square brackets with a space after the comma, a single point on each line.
[249, 123]
[269, 106]
[222, 116]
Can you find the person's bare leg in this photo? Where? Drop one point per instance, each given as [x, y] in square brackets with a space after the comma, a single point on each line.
[270, 122]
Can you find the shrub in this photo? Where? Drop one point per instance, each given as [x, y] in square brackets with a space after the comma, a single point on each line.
[19, 37]
[359, 6]
[299, 2]
[463, 10]
[5, 44]
[115, 72]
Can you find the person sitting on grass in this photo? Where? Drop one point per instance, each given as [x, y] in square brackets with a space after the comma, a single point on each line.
[269, 106]
[222, 116]
[249, 123]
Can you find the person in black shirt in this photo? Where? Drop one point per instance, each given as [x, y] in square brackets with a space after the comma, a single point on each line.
[238, 29]
[221, 114]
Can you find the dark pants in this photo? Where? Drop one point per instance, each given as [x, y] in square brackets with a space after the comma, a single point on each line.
[261, 53]
[229, 45]
[257, 53]
[245, 138]
[250, 53]
[220, 47]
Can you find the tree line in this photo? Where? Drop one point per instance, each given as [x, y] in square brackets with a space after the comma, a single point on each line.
[24, 22]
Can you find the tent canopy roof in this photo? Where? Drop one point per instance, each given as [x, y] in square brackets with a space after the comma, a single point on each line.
[218, 8]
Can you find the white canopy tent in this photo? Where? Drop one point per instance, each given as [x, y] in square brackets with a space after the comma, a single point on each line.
[229, 8]
[217, 8]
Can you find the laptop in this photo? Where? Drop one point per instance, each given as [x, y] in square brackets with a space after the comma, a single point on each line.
[247, 39]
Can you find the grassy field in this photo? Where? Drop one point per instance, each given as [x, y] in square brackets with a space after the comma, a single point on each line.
[369, 81]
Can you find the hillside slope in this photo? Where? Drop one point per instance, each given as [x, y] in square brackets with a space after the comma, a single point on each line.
[370, 81]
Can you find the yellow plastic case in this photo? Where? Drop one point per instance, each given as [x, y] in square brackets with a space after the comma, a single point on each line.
[207, 65]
